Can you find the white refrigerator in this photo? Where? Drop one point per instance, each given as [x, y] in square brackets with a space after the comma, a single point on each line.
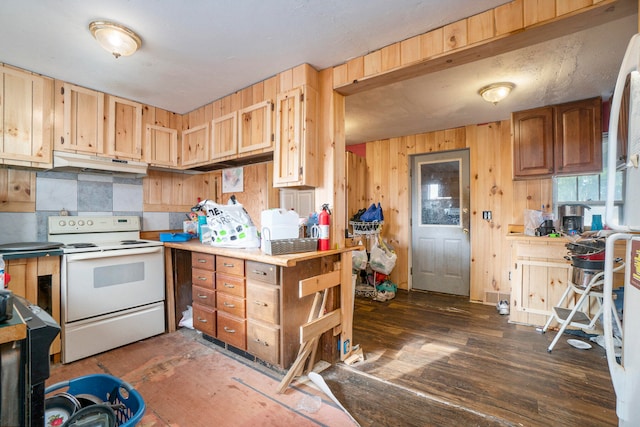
[625, 371]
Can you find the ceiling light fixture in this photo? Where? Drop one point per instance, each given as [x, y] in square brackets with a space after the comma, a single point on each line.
[115, 38]
[496, 92]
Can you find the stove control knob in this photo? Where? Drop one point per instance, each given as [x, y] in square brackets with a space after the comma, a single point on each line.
[72, 223]
[62, 223]
[80, 223]
[89, 223]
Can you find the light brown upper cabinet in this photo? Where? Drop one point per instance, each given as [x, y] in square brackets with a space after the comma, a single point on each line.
[563, 139]
[255, 128]
[26, 104]
[195, 145]
[224, 136]
[124, 128]
[79, 119]
[294, 157]
[161, 146]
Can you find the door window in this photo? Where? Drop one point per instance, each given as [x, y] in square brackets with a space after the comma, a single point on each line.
[440, 193]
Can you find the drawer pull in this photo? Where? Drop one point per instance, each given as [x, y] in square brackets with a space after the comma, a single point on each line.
[202, 261]
[229, 285]
[202, 320]
[228, 304]
[264, 343]
[202, 296]
[202, 278]
[229, 330]
[260, 303]
[261, 273]
[228, 265]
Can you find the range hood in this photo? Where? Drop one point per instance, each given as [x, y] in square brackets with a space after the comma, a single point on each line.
[73, 162]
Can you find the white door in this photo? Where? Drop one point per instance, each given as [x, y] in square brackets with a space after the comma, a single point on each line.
[440, 222]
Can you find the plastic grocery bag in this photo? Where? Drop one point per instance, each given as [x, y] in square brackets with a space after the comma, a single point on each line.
[230, 225]
[382, 258]
[360, 259]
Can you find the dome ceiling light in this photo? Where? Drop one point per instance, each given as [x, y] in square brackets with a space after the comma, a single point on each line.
[115, 38]
[496, 92]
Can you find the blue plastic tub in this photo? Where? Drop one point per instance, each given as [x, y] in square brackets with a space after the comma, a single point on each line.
[109, 389]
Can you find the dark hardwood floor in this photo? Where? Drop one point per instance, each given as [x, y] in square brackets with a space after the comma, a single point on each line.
[469, 357]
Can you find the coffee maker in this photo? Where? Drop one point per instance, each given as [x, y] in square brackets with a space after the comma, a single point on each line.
[572, 218]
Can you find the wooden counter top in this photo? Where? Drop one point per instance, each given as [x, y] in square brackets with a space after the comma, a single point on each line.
[256, 254]
[540, 239]
[14, 329]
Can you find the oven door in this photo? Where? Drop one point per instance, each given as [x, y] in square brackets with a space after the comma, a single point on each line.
[96, 283]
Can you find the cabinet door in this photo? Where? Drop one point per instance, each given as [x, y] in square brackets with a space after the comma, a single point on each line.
[623, 124]
[532, 143]
[26, 102]
[286, 156]
[254, 131]
[578, 137]
[161, 146]
[82, 112]
[195, 145]
[124, 128]
[224, 136]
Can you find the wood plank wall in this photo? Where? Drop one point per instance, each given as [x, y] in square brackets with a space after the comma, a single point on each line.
[17, 190]
[387, 182]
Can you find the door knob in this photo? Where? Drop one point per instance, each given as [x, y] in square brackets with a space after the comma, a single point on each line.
[465, 230]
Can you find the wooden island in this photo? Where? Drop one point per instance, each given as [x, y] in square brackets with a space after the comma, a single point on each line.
[259, 305]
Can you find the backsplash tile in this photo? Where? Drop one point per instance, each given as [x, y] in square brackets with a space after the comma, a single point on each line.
[54, 194]
[95, 196]
[127, 197]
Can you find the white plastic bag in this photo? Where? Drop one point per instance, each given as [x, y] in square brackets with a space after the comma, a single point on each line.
[359, 259]
[230, 225]
[382, 258]
[532, 220]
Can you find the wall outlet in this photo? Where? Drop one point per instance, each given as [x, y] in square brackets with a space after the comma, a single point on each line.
[486, 215]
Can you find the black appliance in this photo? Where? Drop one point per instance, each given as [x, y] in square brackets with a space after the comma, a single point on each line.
[24, 367]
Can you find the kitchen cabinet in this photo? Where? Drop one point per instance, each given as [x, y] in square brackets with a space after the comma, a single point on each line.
[224, 136]
[161, 146]
[230, 301]
[294, 161]
[263, 311]
[124, 128]
[267, 288]
[38, 280]
[563, 139]
[203, 278]
[79, 119]
[26, 106]
[255, 129]
[195, 145]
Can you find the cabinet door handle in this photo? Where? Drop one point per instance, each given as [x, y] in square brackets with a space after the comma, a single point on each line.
[202, 320]
[261, 273]
[229, 285]
[227, 304]
[228, 265]
[229, 330]
[264, 343]
[260, 303]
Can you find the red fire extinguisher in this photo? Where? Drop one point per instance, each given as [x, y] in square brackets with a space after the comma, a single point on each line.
[323, 223]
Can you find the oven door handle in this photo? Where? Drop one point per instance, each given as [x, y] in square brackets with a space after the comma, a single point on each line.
[112, 254]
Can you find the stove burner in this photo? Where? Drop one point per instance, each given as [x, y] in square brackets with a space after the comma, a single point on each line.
[130, 242]
[81, 245]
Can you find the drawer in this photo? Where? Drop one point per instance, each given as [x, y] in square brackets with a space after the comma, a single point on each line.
[263, 342]
[263, 303]
[230, 304]
[262, 272]
[204, 296]
[204, 319]
[229, 265]
[232, 330]
[230, 284]
[203, 278]
[203, 261]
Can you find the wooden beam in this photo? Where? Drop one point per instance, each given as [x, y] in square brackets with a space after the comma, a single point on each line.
[319, 283]
[319, 326]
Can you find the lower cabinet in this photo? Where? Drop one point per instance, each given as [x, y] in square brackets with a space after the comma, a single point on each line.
[253, 306]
